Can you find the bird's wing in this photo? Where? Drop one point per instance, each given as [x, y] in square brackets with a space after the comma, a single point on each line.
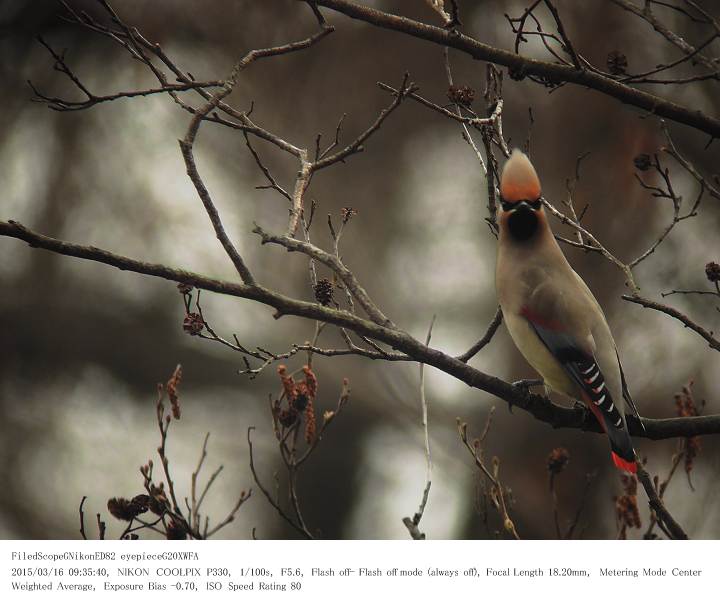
[601, 315]
[580, 363]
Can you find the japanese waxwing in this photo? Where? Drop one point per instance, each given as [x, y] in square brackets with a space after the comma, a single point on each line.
[553, 318]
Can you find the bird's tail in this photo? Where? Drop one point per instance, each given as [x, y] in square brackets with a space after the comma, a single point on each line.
[621, 447]
[621, 450]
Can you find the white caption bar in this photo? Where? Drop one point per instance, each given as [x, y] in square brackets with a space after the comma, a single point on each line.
[297, 571]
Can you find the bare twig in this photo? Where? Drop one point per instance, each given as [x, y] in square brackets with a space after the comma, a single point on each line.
[304, 532]
[101, 527]
[273, 183]
[229, 518]
[328, 418]
[163, 423]
[439, 7]
[186, 145]
[713, 342]
[672, 150]
[499, 492]
[406, 89]
[567, 45]
[484, 125]
[663, 516]
[414, 523]
[333, 262]
[700, 292]
[578, 513]
[82, 517]
[646, 14]
[595, 245]
[424, 405]
[661, 488]
[462, 119]
[194, 509]
[556, 514]
[485, 340]
[571, 185]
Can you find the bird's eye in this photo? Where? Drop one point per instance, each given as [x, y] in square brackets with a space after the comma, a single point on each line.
[506, 206]
[537, 204]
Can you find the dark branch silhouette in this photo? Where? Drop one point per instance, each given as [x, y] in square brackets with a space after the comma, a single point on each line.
[551, 72]
[538, 406]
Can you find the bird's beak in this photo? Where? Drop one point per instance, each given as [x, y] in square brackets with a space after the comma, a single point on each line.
[524, 205]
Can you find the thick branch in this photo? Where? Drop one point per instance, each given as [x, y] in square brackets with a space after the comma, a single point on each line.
[538, 406]
[552, 72]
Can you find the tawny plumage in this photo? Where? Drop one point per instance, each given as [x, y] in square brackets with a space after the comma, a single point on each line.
[553, 318]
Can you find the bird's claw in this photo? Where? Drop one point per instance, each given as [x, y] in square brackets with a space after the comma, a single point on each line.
[525, 385]
[578, 405]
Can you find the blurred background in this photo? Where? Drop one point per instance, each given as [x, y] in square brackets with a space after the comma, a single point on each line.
[82, 346]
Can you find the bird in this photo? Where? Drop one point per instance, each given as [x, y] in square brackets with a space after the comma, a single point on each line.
[551, 314]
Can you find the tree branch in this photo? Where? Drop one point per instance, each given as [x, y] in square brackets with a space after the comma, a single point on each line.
[539, 407]
[228, 246]
[646, 14]
[552, 72]
[333, 262]
[485, 340]
[661, 513]
[676, 314]
[186, 145]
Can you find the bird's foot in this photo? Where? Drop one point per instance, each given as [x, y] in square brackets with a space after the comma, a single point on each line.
[525, 385]
[579, 406]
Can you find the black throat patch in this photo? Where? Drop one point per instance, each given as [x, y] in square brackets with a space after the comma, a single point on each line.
[523, 224]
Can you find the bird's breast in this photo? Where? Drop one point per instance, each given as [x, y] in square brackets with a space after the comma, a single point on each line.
[538, 356]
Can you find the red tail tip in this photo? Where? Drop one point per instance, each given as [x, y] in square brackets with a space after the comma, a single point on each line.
[623, 464]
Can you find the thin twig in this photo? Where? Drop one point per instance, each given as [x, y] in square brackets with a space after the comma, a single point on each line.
[690, 292]
[333, 262]
[583, 499]
[267, 494]
[414, 523]
[229, 518]
[82, 517]
[476, 450]
[663, 516]
[706, 335]
[676, 459]
[485, 340]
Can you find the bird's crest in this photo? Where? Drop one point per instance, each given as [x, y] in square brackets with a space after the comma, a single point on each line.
[519, 180]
